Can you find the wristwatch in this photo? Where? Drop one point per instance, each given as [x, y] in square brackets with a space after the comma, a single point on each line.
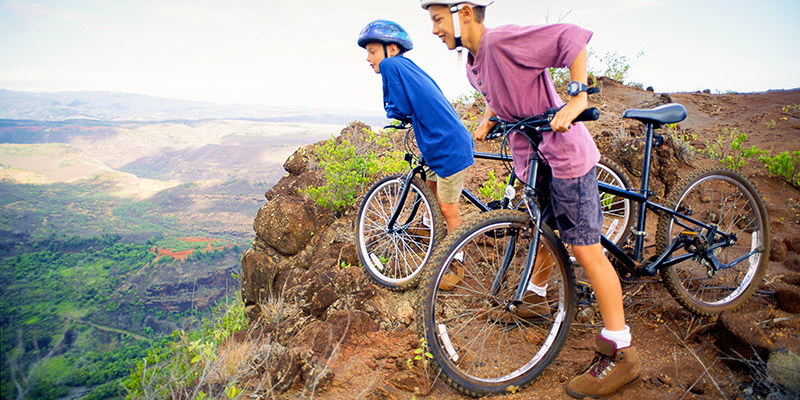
[576, 87]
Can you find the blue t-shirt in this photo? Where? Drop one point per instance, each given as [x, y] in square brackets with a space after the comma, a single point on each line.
[409, 93]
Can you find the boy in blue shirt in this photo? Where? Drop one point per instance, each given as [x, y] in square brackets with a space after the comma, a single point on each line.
[411, 94]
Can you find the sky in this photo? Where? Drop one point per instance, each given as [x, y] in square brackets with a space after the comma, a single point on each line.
[304, 53]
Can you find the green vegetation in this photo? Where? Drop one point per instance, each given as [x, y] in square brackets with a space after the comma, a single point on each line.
[349, 163]
[783, 165]
[183, 360]
[611, 65]
[70, 318]
[494, 188]
[49, 295]
[735, 156]
[732, 155]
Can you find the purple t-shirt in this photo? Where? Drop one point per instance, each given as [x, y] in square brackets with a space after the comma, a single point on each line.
[510, 71]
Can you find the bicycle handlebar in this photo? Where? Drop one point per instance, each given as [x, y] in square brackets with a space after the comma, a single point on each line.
[539, 123]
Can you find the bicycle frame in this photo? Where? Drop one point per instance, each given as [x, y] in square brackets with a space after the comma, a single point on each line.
[642, 197]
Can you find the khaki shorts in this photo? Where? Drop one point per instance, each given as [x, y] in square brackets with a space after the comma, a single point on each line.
[448, 189]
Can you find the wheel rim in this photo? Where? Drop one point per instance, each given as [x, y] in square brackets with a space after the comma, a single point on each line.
[723, 201]
[394, 257]
[616, 210]
[477, 344]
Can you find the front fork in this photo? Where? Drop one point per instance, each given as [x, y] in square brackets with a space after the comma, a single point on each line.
[402, 200]
[535, 213]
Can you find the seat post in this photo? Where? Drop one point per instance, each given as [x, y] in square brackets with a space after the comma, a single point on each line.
[646, 162]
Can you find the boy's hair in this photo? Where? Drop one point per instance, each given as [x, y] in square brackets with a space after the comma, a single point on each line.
[479, 12]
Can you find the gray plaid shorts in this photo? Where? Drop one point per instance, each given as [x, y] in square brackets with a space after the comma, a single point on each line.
[576, 207]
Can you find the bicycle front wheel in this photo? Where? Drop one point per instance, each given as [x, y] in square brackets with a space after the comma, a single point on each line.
[480, 346]
[725, 199]
[394, 256]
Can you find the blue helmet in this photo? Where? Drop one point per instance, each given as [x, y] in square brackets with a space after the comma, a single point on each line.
[385, 32]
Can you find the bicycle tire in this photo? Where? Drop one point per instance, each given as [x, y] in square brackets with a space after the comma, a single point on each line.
[394, 259]
[619, 213]
[477, 352]
[724, 198]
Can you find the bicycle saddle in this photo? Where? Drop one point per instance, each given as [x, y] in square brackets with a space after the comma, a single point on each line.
[664, 114]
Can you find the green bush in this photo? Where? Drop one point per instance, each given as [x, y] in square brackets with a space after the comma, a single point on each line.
[349, 165]
[733, 156]
[783, 165]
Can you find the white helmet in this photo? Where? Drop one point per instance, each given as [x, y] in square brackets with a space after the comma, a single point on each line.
[455, 5]
[426, 3]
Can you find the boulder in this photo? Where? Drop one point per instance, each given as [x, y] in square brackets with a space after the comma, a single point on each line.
[783, 368]
[285, 224]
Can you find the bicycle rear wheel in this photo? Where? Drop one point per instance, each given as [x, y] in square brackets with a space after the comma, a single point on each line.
[618, 212]
[394, 257]
[725, 199]
[481, 348]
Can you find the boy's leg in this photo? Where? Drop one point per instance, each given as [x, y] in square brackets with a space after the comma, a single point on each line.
[576, 205]
[448, 192]
[605, 283]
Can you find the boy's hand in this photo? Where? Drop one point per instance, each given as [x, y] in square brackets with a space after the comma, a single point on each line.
[574, 107]
[483, 129]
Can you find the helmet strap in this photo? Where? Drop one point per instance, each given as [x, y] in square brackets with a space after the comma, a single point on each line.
[457, 29]
[457, 25]
[385, 53]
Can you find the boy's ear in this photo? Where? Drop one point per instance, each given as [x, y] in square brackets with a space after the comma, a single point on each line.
[393, 49]
[467, 13]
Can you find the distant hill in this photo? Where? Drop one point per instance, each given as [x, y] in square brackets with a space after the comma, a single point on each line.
[112, 106]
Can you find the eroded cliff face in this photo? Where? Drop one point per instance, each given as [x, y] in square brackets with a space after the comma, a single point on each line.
[305, 254]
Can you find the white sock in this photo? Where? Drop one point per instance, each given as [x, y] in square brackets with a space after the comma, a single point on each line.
[621, 338]
[539, 290]
[426, 221]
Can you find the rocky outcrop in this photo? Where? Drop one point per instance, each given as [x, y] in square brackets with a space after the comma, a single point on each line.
[302, 255]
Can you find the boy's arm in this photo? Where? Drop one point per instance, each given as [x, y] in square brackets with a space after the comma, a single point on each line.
[576, 104]
[485, 126]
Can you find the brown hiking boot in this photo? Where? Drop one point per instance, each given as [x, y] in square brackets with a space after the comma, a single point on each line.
[420, 232]
[450, 279]
[533, 306]
[612, 369]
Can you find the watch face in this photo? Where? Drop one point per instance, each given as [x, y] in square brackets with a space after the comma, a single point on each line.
[575, 87]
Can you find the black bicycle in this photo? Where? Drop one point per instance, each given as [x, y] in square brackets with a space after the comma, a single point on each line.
[712, 241]
[399, 222]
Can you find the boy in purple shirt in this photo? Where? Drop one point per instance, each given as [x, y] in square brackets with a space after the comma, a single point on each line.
[508, 66]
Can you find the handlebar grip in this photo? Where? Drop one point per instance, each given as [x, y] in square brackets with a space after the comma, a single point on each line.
[589, 114]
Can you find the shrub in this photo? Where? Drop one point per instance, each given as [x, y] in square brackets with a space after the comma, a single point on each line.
[733, 156]
[349, 165]
[783, 165]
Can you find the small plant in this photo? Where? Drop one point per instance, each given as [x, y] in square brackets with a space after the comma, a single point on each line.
[685, 150]
[611, 65]
[793, 110]
[421, 356]
[735, 156]
[770, 124]
[783, 165]
[232, 391]
[494, 188]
